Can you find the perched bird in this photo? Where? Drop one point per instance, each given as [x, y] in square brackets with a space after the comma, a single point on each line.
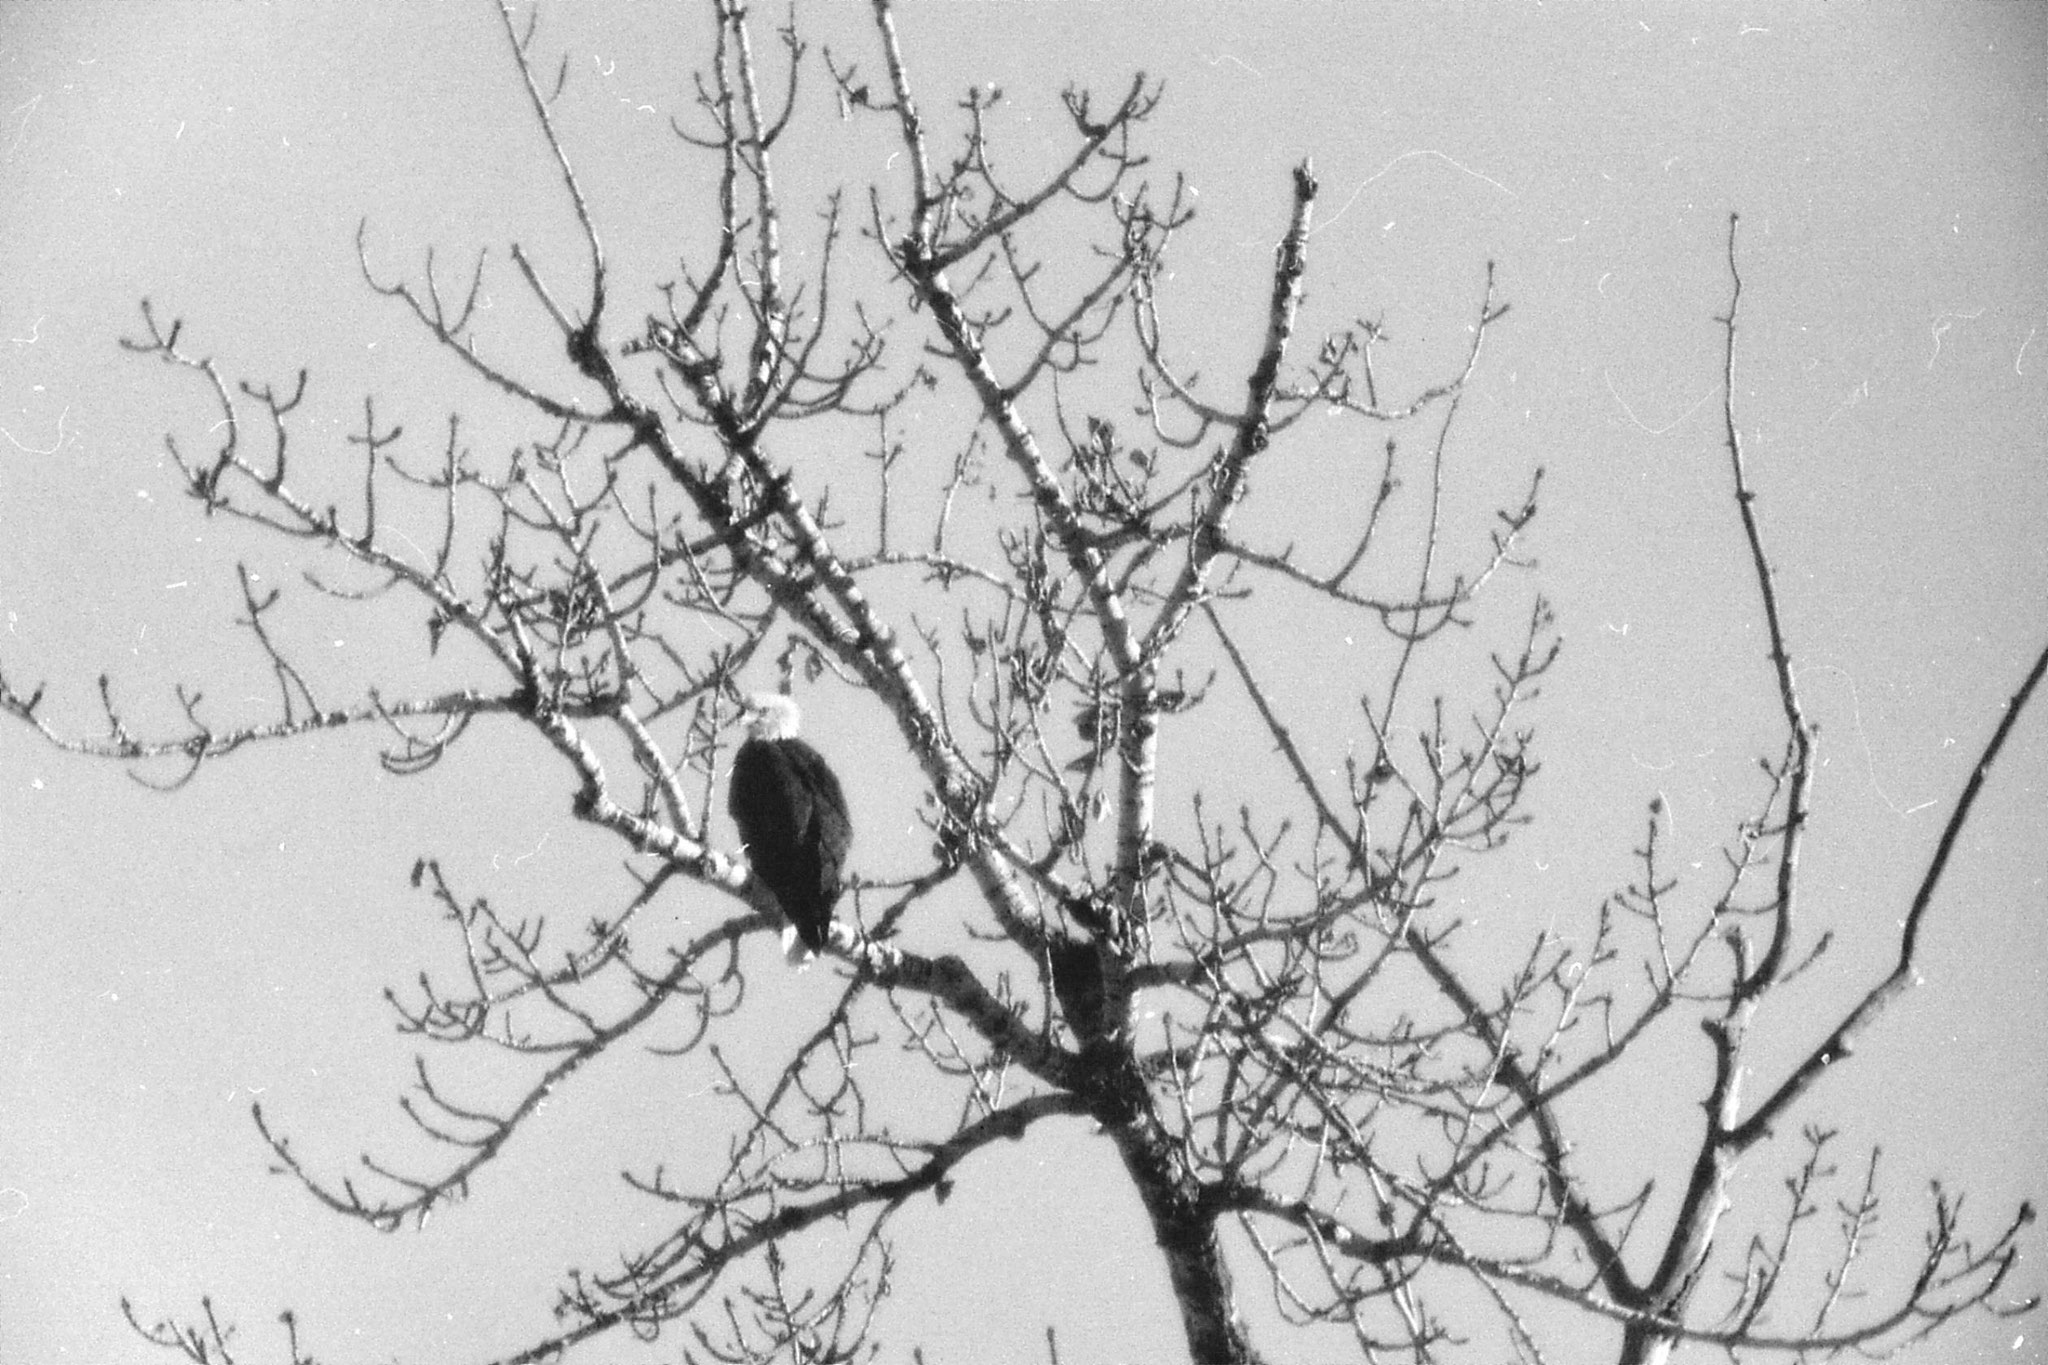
[791, 816]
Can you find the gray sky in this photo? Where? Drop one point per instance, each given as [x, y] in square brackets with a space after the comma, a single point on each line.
[162, 960]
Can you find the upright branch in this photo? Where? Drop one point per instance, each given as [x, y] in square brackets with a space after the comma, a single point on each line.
[581, 337]
[1952, 1276]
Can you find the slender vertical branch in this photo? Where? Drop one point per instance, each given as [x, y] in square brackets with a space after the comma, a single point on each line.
[560, 153]
[1799, 733]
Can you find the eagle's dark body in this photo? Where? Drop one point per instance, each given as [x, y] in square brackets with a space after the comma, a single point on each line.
[792, 818]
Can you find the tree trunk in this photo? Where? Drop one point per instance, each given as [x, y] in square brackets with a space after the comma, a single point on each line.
[1185, 1229]
[1645, 1346]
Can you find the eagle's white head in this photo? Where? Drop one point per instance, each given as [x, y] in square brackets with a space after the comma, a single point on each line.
[770, 715]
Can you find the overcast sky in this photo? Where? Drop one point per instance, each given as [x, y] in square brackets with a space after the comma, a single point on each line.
[164, 959]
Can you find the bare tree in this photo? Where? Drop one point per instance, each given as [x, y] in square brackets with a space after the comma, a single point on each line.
[1317, 1081]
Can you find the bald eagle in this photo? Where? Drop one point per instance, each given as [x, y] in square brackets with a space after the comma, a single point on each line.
[791, 816]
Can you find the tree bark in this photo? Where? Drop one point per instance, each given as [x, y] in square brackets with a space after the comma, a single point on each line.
[1645, 1346]
[1184, 1225]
